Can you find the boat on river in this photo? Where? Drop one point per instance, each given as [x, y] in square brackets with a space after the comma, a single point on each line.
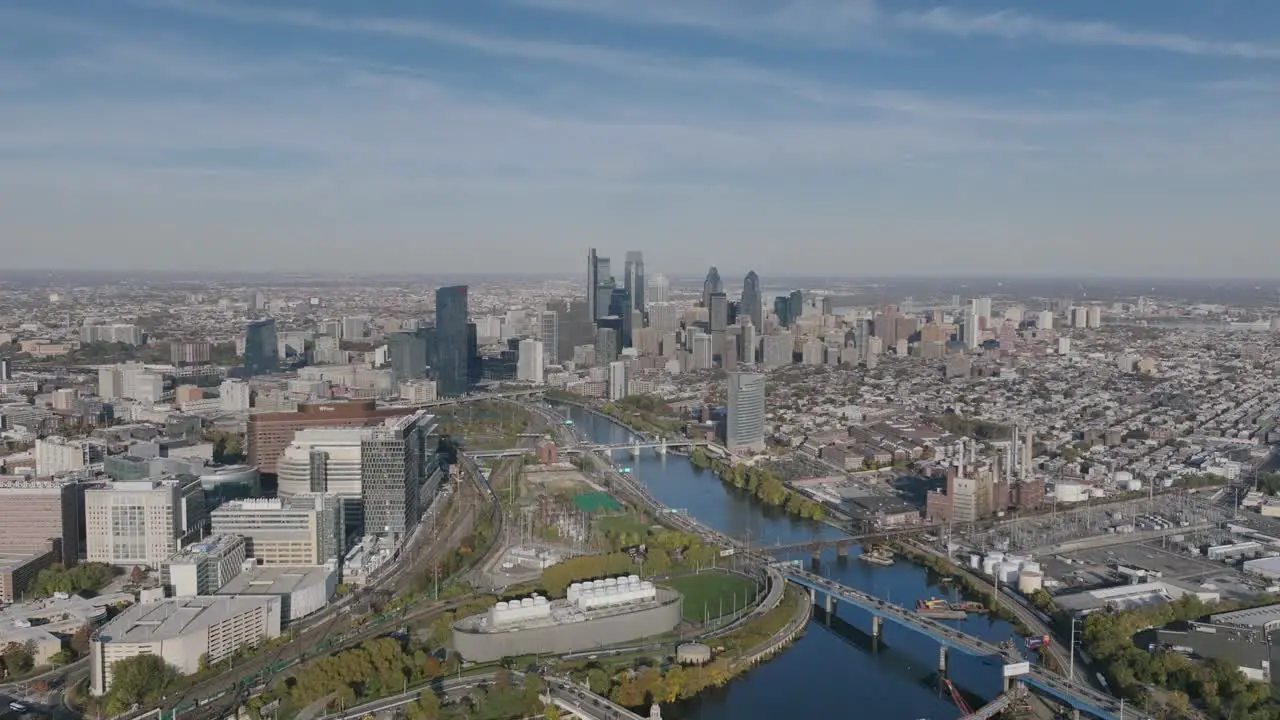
[939, 609]
[878, 556]
[970, 606]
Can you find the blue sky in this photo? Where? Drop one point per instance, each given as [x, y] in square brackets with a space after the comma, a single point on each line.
[793, 136]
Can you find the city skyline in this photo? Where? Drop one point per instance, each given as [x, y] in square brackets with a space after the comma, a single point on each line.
[912, 138]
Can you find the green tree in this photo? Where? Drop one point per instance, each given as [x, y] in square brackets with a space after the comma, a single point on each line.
[139, 680]
[17, 658]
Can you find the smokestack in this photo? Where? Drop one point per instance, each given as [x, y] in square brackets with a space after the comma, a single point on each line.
[960, 472]
[1027, 454]
[1008, 468]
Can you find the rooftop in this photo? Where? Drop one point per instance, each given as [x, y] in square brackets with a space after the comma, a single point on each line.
[275, 580]
[210, 545]
[169, 619]
[1266, 617]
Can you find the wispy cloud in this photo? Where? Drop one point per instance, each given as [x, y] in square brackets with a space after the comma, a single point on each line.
[1014, 25]
[849, 20]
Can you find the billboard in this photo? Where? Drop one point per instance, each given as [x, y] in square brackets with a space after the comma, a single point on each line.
[1017, 669]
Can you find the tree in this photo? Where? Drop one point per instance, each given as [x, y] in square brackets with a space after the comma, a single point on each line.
[136, 575]
[139, 680]
[17, 658]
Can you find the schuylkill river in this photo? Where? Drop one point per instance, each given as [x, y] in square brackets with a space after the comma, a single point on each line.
[831, 672]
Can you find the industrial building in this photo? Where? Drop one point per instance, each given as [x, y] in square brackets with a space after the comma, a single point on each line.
[1248, 638]
[1125, 597]
[181, 631]
[594, 614]
[301, 590]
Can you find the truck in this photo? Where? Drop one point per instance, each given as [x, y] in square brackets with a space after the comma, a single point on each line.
[1040, 641]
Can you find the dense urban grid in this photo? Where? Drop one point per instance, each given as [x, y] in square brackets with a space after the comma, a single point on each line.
[203, 479]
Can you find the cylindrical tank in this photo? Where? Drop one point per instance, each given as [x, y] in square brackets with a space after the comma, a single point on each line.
[995, 555]
[975, 561]
[1133, 485]
[1096, 492]
[1122, 478]
[1031, 567]
[989, 566]
[1029, 582]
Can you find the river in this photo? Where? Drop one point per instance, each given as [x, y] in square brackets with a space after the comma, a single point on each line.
[832, 671]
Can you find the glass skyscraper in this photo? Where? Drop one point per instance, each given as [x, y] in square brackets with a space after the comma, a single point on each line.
[408, 353]
[393, 462]
[451, 358]
[751, 302]
[744, 426]
[261, 352]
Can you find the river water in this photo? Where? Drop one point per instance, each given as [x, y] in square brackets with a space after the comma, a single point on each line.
[832, 671]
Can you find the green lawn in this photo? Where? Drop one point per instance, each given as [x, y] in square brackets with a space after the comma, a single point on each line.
[703, 594]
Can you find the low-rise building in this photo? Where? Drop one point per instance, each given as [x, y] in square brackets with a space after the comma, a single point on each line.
[201, 568]
[182, 631]
[302, 590]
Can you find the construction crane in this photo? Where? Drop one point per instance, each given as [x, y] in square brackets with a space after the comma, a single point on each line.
[965, 710]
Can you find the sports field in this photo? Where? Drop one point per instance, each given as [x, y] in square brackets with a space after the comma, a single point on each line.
[708, 595]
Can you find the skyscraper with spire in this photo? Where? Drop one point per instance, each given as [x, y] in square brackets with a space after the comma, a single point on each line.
[751, 302]
[711, 285]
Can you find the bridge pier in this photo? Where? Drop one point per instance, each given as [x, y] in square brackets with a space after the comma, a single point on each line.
[842, 551]
[830, 606]
[942, 660]
[635, 450]
[877, 626]
[662, 447]
[813, 596]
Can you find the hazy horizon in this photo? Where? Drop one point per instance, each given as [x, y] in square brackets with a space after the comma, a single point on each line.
[801, 138]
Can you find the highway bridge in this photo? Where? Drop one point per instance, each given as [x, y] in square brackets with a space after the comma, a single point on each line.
[660, 446]
[845, 541]
[1078, 696]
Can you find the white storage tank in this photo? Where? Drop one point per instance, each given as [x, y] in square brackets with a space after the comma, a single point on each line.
[1008, 572]
[1019, 559]
[989, 566]
[1070, 492]
[1122, 478]
[1133, 485]
[975, 561]
[995, 555]
[1029, 566]
[1096, 492]
[1029, 582]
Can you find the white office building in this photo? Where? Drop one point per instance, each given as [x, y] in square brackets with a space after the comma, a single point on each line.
[744, 429]
[56, 455]
[529, 363]
[657, 289]
[182, 631]
[619, 379]
[203, 567]
[143, 523]
[1044, 320]
[306, 529]
[549, 326]
[235, 395]
[701, 352]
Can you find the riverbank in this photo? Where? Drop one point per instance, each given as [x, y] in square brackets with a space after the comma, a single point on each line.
[969, 587]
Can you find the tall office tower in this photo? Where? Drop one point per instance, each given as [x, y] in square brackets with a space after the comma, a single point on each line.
[451, 346]
[752, 306]
[1014, 314]
[606, 345]
[325, 460]
[633, 279]
[777, 350]
[984, 308]
[748, 342]
[619, 378]
[744, 428]
[1044, 320]
[593, 279]
[782, 310]
[6, 372]
[795, 305]
[408, 353]
[664, 316]
[353, 328]
[549, 332]
[260, 349]
[970, 328]
[1094, 319]
[142, 523]
[529, 363]
[710, 285]
[393, 463]
[620, 307]
[110, 383]
[702, 352]
[234, 396]
[657, 290]
[718, 315]
[190, 353]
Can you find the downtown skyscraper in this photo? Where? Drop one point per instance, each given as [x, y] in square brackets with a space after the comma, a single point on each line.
[711, 285]
[451, 342]
[752, 306]
[633, 279]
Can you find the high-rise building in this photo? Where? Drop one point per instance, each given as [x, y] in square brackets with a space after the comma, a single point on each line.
[744, 428]
[6, 372]
[795, 305]
[408, 353]
[393, 465]
[1044, 321]
[110, 383]
[970, 328]
[203, 567]
[658, 290]
[1095, 316]
[619, 379]
[530, 361]
[752, 305]
[34, 511]
[606, 344]
[702, 352]
[142, 523]
[549, 326]
[270, 433]
[235, 396]
[711, 285]
[718, 311]
[452, 359]
[664, 316]
[633, 279]
[260, 348]
[777, 350]
[190, 353]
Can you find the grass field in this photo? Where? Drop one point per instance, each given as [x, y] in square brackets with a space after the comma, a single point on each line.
[703, 594]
